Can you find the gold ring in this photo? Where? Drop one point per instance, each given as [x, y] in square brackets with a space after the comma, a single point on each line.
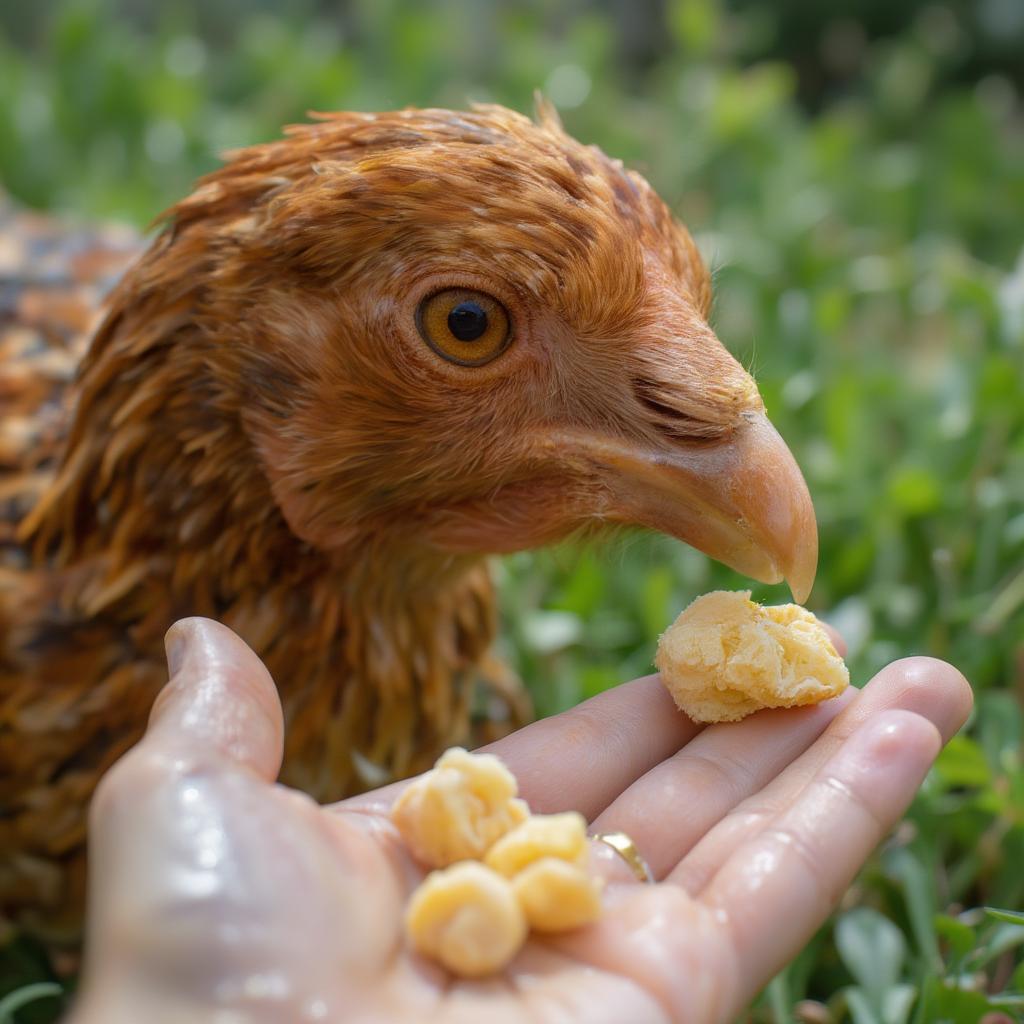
[626, 849]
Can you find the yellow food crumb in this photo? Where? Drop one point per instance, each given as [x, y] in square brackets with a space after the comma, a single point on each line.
[459, 809]
[468, 918]
[557, 895]
[726, 656]
[473, 917]
[543, 835]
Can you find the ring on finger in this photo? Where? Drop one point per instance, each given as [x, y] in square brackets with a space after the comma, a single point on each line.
[627, 850]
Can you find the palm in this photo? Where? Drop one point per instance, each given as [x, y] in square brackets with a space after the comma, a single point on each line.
[215, 889]
[604, 972]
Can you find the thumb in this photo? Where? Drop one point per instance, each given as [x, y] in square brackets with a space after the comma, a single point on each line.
[181, 887]
[220, 700]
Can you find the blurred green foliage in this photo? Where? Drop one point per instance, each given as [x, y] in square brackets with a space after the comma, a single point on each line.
[863, 205]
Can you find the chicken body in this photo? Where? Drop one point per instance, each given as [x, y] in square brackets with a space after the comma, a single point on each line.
[274, 426]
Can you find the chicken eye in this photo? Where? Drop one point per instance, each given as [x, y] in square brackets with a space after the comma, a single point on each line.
[464, 326]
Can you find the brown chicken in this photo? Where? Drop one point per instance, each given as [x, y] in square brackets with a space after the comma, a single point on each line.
[353, 363]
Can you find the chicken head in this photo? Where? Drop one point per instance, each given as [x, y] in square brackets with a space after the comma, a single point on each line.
[470, 332]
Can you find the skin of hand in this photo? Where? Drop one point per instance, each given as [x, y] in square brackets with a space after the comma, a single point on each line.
[218, 895]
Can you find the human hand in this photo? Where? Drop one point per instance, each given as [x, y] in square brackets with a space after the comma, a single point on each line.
[218, 895]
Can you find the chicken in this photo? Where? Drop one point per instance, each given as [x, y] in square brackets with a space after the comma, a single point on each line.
[354, 363]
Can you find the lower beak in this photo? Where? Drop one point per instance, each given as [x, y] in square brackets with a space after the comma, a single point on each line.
[742, 500]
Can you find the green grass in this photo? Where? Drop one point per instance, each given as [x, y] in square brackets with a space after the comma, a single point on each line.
[869, 268]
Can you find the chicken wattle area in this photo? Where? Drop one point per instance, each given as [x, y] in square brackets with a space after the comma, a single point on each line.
[352, 364]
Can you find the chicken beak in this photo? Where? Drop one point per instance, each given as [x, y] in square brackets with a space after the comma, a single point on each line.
[741, 500]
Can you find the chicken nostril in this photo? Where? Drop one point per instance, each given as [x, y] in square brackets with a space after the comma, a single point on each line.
[670, 420]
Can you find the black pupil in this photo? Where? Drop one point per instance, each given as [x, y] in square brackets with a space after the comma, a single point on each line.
[467, 321]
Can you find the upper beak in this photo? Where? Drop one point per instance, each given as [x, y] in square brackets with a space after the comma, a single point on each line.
[742, 499]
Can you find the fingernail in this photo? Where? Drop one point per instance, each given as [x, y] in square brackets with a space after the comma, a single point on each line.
[176, 641]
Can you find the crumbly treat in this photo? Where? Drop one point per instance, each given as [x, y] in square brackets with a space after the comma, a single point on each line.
[459, 809]
[557, 895]
[473, 917]
[547, 857]
[542, 835]
[468, 918]
[726, 657]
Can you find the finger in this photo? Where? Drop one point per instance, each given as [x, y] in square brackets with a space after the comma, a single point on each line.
[583, 758]
[780, 885]
[930, 688]
[220, 701]
[673, 805]
[219, 709]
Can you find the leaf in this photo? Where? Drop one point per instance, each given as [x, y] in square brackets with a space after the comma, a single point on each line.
[918, 884]
[655, 600]
[915, 491]
[595, 679]
[921, 1015]
[960, 937]
[583, 588]
[779, 998]
[999, 727]
[897, 1003]
[1005, 936]
[894, 1009]
[1017, 979]
[1011, 916]
[860, 1006]
[1008, 1000]
[20, 997]
[963, 763]
[872, 949]
[944, 1004]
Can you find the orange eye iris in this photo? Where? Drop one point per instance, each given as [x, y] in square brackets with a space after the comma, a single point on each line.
[465, 327]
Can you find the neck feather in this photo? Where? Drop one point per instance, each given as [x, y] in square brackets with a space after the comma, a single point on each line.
[160, 509]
